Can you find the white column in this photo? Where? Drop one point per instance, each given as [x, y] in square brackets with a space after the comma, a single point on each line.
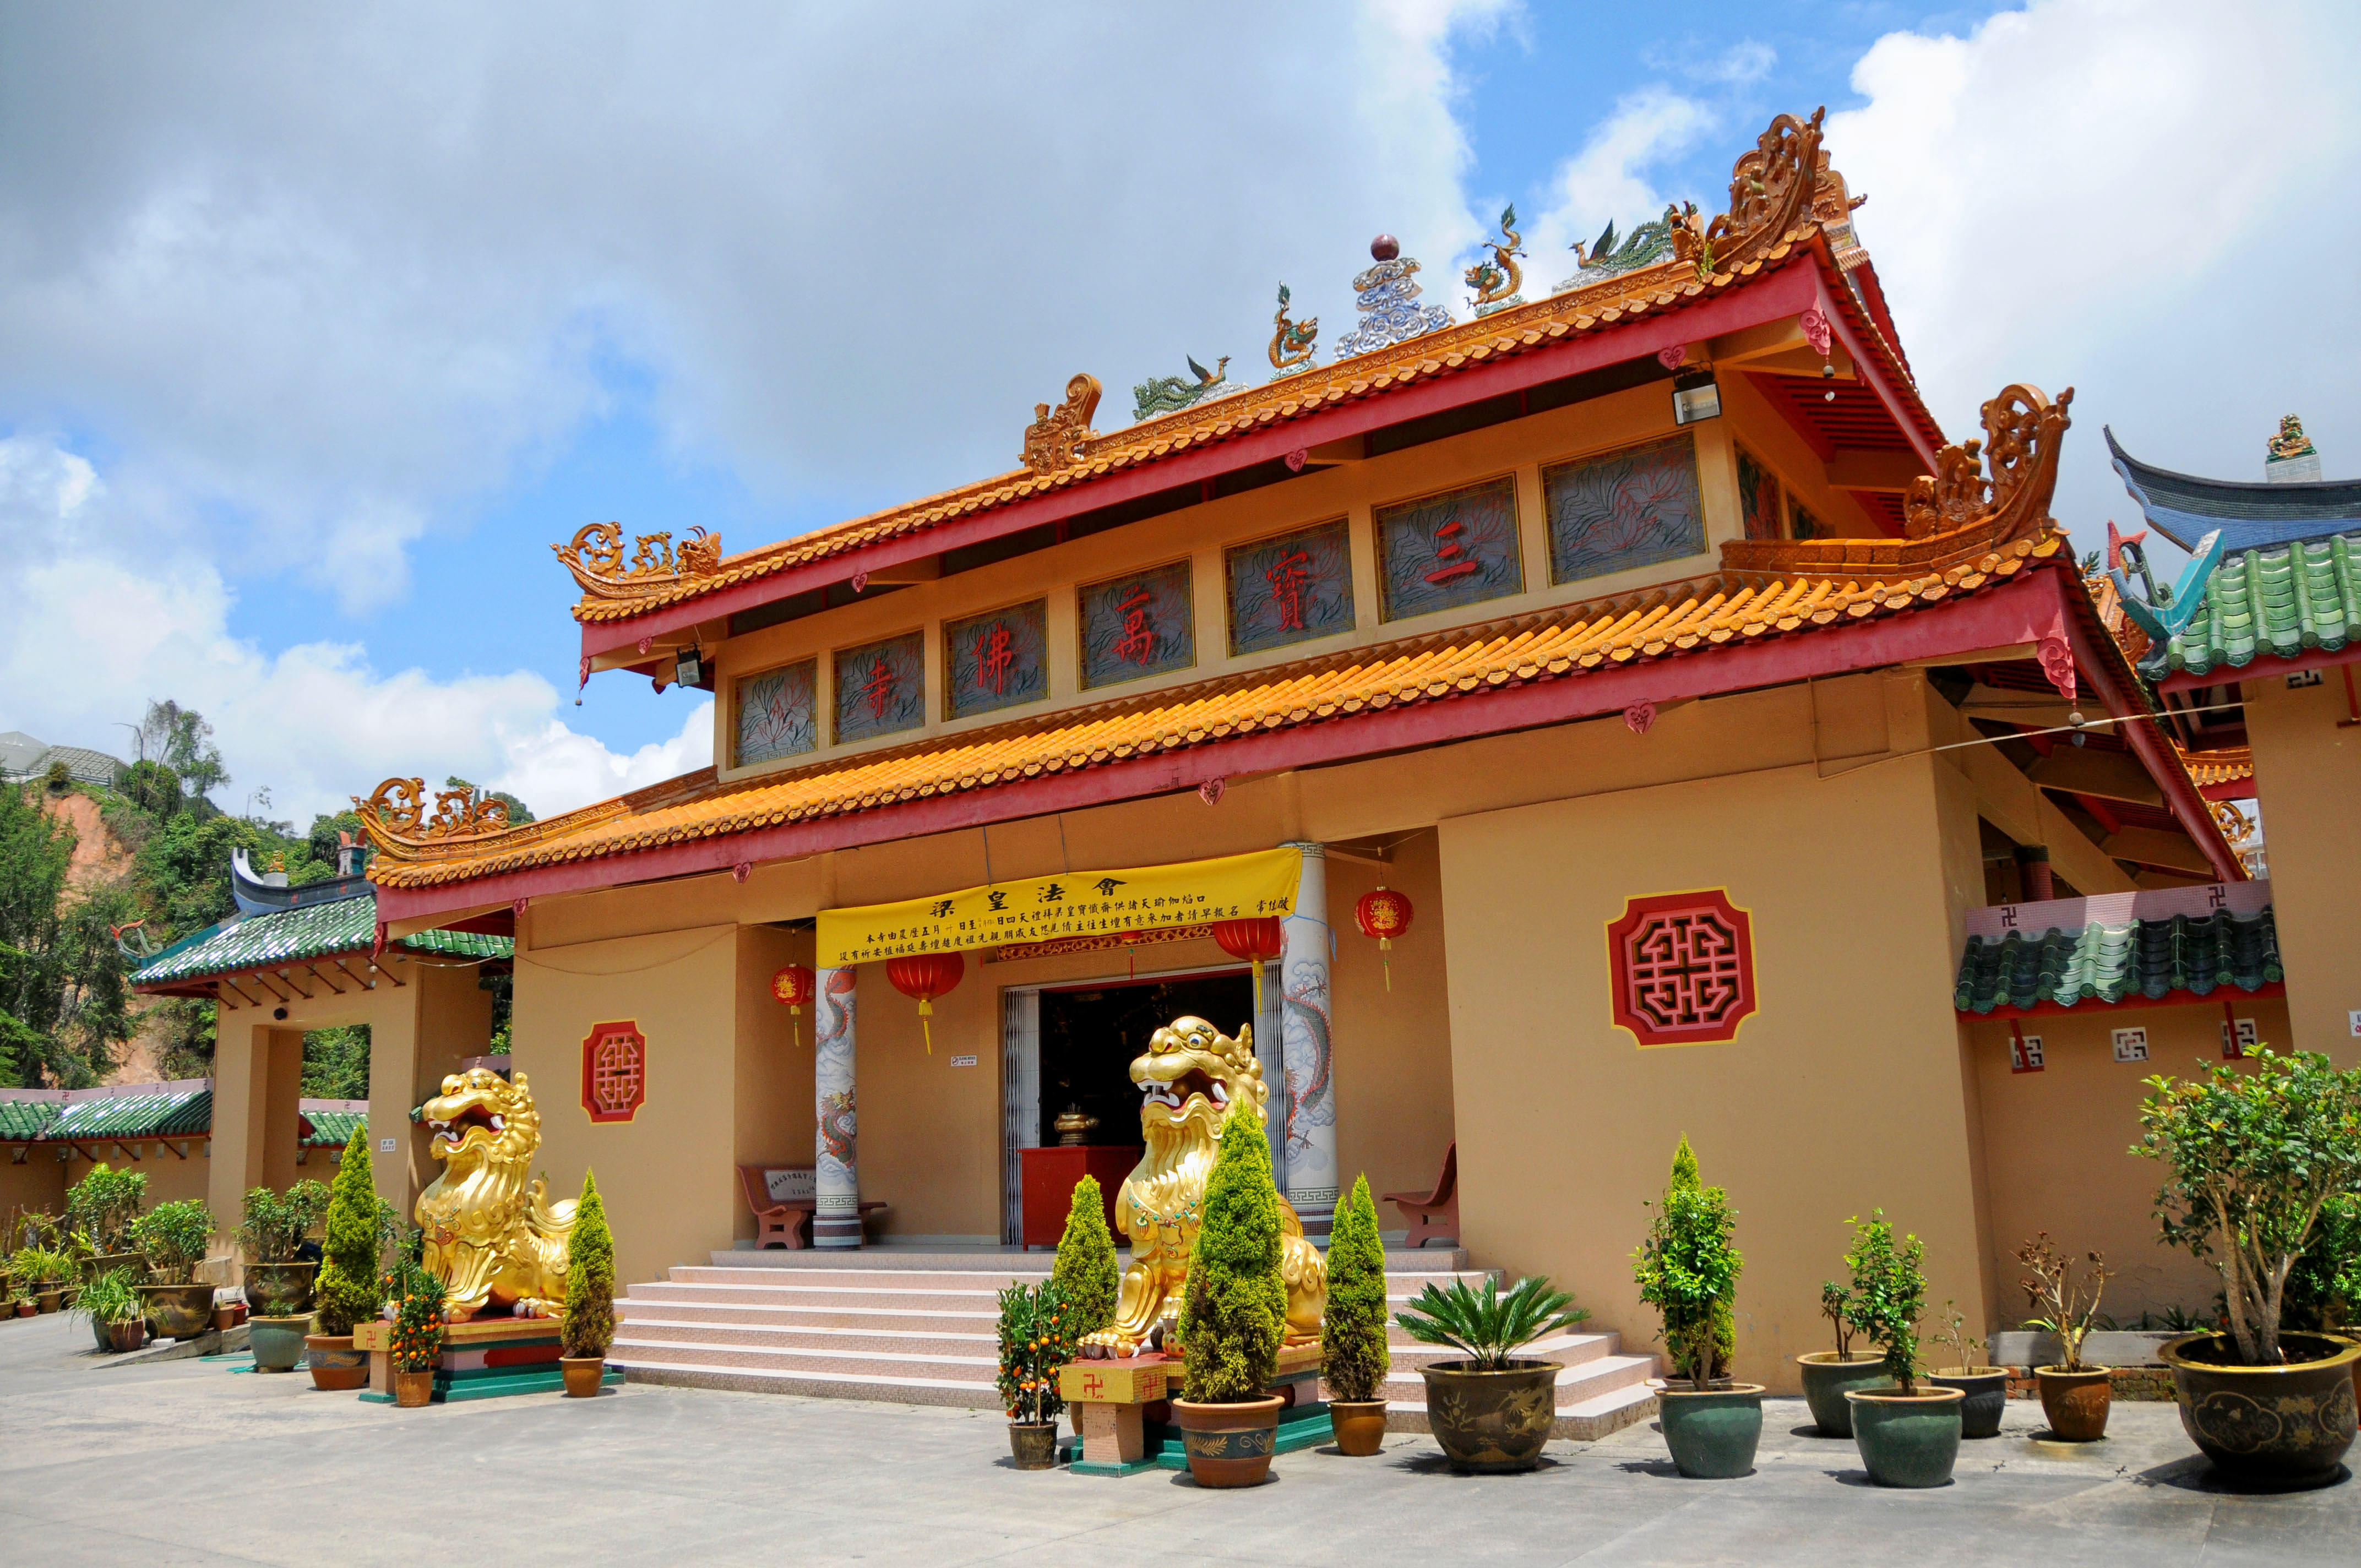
[1308, 1112]
[836, 1185]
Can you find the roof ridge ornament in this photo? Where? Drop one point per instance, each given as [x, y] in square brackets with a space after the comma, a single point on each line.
[2022, 434]
[1386, 299]
[1171, 394]
[395, 816]
[1609, 255]
[1495, 281]
[595, 558]
[1053, 442]
[1294, 345]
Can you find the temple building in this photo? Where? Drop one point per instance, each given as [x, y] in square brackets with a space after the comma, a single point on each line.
[1738, 754]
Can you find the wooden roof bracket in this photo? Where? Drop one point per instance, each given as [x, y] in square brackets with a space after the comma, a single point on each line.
[357, 980]
[129, 1151]
[388, 973]
[323, 980]
[222, 991]
[295, 985]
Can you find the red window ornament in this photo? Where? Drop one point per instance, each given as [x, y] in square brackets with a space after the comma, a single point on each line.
[794, 986]
[614, 1071]
[1383, 914]
[1684, 968]
[922, 978]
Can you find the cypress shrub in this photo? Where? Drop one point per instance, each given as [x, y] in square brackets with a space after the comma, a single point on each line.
[590, 1326]
[1235, 1315]
[348, 1290]
[1725, 1315]
[1352, 1327]
[1085, 1274]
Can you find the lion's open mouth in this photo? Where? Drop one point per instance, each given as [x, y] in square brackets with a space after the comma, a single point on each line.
[474, 1118]
[1176, 1093]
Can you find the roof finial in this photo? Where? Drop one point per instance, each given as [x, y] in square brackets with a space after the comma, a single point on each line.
[1388, 293]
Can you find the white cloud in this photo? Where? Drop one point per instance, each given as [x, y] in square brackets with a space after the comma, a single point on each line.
[2142, 199]
[1608, 179]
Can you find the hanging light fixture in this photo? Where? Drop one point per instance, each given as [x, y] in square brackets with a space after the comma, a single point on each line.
[1383, 914]
[923, 977]
[794, 986]
[1256, 942]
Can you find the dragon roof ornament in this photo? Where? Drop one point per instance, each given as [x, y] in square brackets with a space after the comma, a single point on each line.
[1495, 281]
[396, 818]
[1054, 440]
[595, 556]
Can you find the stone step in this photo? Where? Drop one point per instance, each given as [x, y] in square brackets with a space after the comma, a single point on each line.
[897, 1390]
[1571, 1348]
[891, 1259]
[966, 1279]
[967, 1299]
[937, 1366]
[795, 1315]
[864, 1336]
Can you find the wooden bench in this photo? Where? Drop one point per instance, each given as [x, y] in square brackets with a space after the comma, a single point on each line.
[1435, 1214]
[786, 1222]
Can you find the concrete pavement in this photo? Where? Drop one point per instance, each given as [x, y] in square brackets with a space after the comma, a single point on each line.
[189, 1462]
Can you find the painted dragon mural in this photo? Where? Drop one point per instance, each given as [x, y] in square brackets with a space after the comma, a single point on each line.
[492, 1237]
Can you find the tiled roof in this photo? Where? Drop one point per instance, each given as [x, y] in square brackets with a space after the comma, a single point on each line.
[2250, 514]
[2231, 764]
[293, 935]
[2106, 963]
[1724, 609]
[21, 1119]
[187, 1113]
[2283, 603]
[333, 1129]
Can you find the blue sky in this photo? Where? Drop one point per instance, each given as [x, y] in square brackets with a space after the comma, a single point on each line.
[314, 334]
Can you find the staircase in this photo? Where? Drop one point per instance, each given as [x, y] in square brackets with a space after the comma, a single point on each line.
[918, 1328]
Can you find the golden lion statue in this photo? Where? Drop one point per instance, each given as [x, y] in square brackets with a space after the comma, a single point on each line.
[1189, 1078]
[493, 1238]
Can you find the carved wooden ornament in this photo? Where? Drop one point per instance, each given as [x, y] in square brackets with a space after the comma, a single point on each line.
[1053, 442]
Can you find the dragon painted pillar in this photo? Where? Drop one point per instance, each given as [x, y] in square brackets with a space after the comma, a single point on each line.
[836, 1183]
[1310, 1125]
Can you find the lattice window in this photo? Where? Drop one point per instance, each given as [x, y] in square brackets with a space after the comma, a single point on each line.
[614, 1071]
[1684, 968]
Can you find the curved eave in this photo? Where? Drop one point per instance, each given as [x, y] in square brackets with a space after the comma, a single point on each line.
[2251, 515]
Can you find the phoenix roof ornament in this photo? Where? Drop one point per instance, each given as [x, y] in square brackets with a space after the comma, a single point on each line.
[1170, 394]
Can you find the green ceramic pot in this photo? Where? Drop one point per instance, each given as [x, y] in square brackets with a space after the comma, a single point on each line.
[1712, 1435]
[1827, 1378]
[2267, 1426]
[1986, 1389]
[1907, 1440]
[277, 1343]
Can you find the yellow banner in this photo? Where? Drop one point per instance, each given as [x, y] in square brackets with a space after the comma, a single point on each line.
[1080, 903]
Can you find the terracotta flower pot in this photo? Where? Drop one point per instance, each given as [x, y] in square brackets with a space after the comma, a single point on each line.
[335, 1366]
[1033, 1444]
[1907, 1440]
[2269, 1426]
[44, 1297]
[1360, 1426]
[2075, 1402]
[25, 1306]
[412, 1390]
[1829, 1377]
[582, 1374]
[127, 1336]
[1491, 1423]
[1229, 1445]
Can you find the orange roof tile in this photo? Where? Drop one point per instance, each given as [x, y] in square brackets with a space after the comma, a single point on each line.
[2232, 764]
[1725, 608]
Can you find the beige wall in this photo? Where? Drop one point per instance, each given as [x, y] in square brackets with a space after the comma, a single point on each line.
[38, 1183]
[2307, 778]
[2057, 1145]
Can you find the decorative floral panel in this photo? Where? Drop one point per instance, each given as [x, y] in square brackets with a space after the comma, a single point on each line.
[1288, 589]
[614, 1071]
[1758, 498]
[997, 660]
[880, 687]
[1627, 509]
[1446, 551]
[778, 714]
[1683, 966]
[1137, 625]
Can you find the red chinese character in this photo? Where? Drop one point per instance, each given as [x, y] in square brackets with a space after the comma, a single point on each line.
[1288, 578]
[879, 687]
[1450, 559]
[1138, 643]
[994, 652]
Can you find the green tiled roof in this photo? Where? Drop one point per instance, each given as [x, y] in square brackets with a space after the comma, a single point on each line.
[2154, 959]
[2282, 603]
[27, 1118]
[189, 1114]
[293, 935]
[333, 1129]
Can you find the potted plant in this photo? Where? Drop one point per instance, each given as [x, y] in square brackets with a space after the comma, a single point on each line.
[1984, 1389]
[116, 1314]
[103, 1206]
[1688, 1270]
[2252, 1159]
[1829, 1375]
[40, 1276]
[1085, 1272]
[2074, 1394]
[348, 1287]
[172, 1238]
[1492, 1411]
[416, 1345]
[1908, 1435]
[589, 1326]
[278, 1281]
[1353, 1354]
[1036, 1338]
[1234, 1316]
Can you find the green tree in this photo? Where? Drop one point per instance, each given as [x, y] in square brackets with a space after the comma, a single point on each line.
[1085, 1272]
[181, 739]
[1353, 1326]
[348, 1289]
[336, 1063]
[1688, 1270]
[1889, 1293]
[590, 1326]
[1235, 1312]
[64, 1005]
[154, 788]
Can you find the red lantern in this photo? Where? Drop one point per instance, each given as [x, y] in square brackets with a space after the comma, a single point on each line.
[793, 985]
[1384, 914]
[1255, 942]
[924, 977]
